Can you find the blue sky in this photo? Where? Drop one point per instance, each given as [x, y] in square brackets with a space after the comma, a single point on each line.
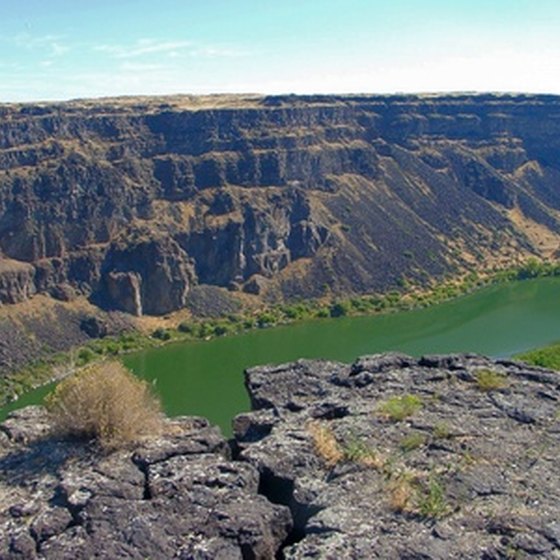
[62, 49]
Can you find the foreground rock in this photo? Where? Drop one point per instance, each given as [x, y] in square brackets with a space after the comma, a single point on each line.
[470, 472]
[178, 496]
[446, 457]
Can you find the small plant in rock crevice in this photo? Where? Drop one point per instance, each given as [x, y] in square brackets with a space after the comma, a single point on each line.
[400, 407]
[489, 380]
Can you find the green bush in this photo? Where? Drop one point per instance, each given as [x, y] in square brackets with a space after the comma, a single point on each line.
[85, 355]
[489, 380]
[161, 334]
[412, 441]
[339, 309]
[185, 327]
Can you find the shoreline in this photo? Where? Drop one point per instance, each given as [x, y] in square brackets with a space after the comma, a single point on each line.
[57, 366]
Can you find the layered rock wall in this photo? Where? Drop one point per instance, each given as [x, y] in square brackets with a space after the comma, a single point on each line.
[318, 194]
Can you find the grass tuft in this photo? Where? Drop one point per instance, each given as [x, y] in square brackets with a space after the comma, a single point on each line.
[489, 380]
[325, 444]
[401, 407]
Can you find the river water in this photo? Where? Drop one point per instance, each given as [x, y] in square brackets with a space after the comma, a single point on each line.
[206, 377]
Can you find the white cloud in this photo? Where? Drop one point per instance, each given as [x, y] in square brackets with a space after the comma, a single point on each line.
[172, 49]
[53, 44]
[142, 47]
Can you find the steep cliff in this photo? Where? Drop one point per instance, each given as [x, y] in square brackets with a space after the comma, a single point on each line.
[133, 201]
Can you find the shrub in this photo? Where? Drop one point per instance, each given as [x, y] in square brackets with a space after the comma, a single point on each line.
[339, 309]
[106, 402]
[161, 334]
[401, 492]
[359, 452]
[85, 355]
[488, 380]
[399, 408]
[266, 319]
[412, 441]
[185, 327]
[432, 502]
[441, 431]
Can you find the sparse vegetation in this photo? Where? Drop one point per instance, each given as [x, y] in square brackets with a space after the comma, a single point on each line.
[357, 451]
[41, 371]
[432, 502]
[400, 407]
[325, 444]
[412, 441]
[548, 357]
[107, 403]
[407, 493]
[489, 380]
[401, 492]
[441, 431]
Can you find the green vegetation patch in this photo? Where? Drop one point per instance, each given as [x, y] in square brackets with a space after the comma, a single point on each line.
[547, 357]
[400, 407]
[489, 380]
[412, 441]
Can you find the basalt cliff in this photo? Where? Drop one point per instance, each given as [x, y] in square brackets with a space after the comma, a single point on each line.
[122, 208]
[132, 202]
[391, 457]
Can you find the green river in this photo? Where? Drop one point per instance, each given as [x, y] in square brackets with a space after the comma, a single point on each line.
[206, 378]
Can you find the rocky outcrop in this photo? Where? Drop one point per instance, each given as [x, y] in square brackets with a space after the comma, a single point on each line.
[391, 457]
[16, 281]
[315, 194]
[468, 470]
[150, 276]
[179, 496]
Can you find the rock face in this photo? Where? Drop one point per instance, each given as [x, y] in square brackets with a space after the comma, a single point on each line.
[16, 281]
[312, 194]
[446, 457]
[179, 496]
[151, 276]
[468, 470]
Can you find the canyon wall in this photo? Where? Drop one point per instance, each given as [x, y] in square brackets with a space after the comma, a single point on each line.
[133, 201]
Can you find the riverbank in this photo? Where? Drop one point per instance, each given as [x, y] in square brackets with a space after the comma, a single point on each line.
[408, 298]
[547, 356]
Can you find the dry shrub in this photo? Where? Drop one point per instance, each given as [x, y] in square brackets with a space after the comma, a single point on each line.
[106, 402]
[401, 493]
[325, 444]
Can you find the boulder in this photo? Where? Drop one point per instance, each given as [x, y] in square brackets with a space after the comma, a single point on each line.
[176, 496]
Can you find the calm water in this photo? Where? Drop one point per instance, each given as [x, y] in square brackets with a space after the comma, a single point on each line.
[206, 378]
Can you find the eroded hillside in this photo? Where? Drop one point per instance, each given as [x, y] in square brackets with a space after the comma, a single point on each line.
[131, 202]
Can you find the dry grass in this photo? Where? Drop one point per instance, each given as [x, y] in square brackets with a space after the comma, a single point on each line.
[401, 494]
[105, 402]
[325, 444]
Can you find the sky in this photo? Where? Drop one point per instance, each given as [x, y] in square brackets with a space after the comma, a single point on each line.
[66, 49]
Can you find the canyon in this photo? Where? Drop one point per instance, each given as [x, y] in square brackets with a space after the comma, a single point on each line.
[119, 208]
[131, 202]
